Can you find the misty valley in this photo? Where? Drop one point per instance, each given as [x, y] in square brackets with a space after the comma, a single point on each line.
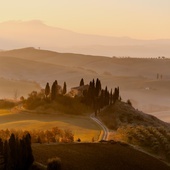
[62, 110]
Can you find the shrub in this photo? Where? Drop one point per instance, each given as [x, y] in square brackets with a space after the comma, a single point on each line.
[41, 136]
[129, 102]
[35, 167]
[54, 164]
[67, 136]
[6, 104]
[153, 139]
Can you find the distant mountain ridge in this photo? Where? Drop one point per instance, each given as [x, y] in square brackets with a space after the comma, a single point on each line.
[19, 34]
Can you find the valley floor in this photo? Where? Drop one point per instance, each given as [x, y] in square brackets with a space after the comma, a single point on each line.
[90, 156]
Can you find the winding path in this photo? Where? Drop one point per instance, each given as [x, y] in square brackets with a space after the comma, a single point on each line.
[105, 129]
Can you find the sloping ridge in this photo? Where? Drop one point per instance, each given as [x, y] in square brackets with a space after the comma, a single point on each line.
[51, 57]
[121, 114]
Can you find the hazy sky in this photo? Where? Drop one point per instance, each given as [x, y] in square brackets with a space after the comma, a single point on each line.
[144, 19]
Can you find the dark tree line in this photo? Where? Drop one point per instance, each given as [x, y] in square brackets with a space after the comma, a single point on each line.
[98, 98]
[16, 154]
[55, 90]
[92, 95]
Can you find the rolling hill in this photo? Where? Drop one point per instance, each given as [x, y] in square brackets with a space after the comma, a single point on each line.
[17, 34]
[14, 89]
[144, 81]
[137, 78]
[135, 127]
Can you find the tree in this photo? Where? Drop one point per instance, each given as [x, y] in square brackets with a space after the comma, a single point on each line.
[82, 82]
[1, 146]
[106, 96]
[54, 90]
[111, 97]
[28, 156]
[13, 152]
[6, 155]
[97, 98]
[18, 153]
[54, 164]
[129, 102]
[116, 94]
[64, 88]
[161, 76]
[98, 87]
[47, 90]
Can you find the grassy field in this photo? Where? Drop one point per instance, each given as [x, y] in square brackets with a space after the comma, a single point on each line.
[86, 156]
[81, 126]
[4, 112]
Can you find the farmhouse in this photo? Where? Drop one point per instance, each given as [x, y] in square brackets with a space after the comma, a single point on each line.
[78, 91]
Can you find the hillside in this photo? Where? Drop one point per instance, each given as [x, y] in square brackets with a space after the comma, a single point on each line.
[137, 128]
[122, 114]
[137, 78]
[14, 89]
[145, 82]
[147, 68]
[97, 156]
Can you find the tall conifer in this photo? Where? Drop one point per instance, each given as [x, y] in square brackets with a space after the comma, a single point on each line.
[64, 88]
[47, 90]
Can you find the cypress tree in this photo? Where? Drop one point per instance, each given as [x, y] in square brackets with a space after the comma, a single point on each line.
[93, 93]
[102, 99]
[111, 97]
[29, 156]
[105, 96]
[6, 155]
[98, 87]
[89, 94]
[1, 146]
[17, 153]
[93, 84]
[116, 94]
[54, 90]
[82, 82]
[22, 153]
[64, 88]
[26, 158]
[47, 90]
[13, 152]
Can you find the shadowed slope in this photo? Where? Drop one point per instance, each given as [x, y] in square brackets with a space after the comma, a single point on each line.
[97, 156]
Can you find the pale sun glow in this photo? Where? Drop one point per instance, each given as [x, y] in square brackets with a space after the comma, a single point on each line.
[141, 19]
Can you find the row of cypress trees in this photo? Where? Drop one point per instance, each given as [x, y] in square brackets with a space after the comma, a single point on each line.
[55, 90]
[16, 154]
[97, 98]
